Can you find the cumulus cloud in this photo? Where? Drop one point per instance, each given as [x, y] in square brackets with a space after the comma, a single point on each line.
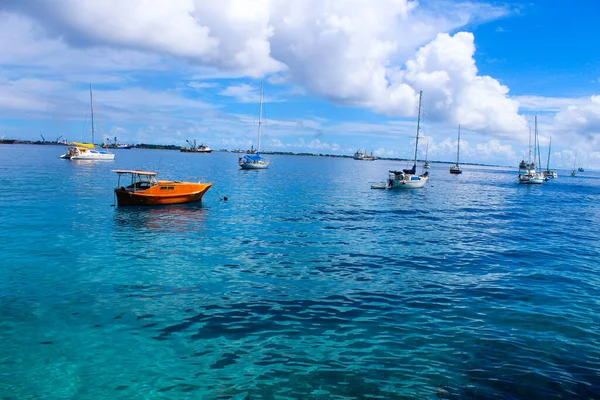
[581, 119]
[352, 52]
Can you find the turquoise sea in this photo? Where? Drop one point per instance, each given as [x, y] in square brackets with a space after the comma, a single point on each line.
[306, 284]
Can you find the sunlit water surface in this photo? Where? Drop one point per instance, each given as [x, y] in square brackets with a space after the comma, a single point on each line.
[306, 284]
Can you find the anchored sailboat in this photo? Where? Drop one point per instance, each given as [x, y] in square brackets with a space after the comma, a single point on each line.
[87, 151]
[426, 164]
[455, 169]
[253, 159]
[547, 173]
[530, 176]
[407, 178]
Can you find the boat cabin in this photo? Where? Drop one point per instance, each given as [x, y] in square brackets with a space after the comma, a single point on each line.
[135, 181]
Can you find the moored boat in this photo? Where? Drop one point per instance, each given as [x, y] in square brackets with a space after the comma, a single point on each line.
[455, 169]
[144, 189]
[408, 178]
[195, 148]
[363, 156]
[252, 159]
[87, 151]
[548, 174]
[530, 175]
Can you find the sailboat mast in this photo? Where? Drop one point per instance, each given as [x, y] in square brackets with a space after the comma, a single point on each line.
[418, 125]
[92, 107]
[537, 144]
[549, 147]
[458, 146]
[260, 116]
[529, 156]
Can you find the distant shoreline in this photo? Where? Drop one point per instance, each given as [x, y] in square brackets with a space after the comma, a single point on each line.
[282, 153]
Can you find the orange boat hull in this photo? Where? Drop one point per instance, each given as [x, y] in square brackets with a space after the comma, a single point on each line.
[166, 193]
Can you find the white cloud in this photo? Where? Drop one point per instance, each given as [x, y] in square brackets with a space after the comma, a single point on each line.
[349, 51]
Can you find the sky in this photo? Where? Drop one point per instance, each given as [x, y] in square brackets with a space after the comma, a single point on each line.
[338, 75]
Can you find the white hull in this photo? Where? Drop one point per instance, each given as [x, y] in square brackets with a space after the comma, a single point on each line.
[255, 165]
[531, 179]
[408, 182]
[98, 157]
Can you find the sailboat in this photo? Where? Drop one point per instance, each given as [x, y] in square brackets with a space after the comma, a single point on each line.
[408, 178]
[87, 151]
[530, 176]
[426, 164]
[455, 169]
[252, 159]
[547, 173]
[574, 164]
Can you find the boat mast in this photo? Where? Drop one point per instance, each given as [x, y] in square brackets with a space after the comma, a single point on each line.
[92, 107]
[260, 116]
[458, 146]
[537, 141]
[549, 147]
[529, 156]
[418, 122]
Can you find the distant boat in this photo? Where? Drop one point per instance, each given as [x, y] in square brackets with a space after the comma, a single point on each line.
[362, 155]
[143, 189]
[580, 169]
[7, 141]
[530, 176]
[426, 164]
[87, 151]
[252, 159]
[573, 173]
[407, 178]
[547, 173]
[455, 169]
[196, 149]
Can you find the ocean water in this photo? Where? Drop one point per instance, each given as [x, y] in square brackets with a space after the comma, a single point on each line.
[306, 284]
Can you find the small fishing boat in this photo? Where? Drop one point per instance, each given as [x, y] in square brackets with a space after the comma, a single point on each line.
[252, 159]
[455, 169]
[580, 169]
[144, 189]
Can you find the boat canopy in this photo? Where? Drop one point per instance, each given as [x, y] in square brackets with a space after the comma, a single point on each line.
[253, 157]
[86, 145]
[138, 172]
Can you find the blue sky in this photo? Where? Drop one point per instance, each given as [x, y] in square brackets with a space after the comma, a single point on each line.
[338, 75]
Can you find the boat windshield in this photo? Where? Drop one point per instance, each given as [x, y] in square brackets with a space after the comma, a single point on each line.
[136, 181]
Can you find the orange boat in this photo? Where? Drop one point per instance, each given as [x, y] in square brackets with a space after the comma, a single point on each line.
[143, 189]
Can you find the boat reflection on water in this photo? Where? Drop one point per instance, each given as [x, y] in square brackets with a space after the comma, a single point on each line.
[182, 218]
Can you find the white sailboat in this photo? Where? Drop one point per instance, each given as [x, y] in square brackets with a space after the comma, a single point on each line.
[87, 151]
[408, 178]
[530, 175]
[253, 159]
[547, 173]
[455, 169]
